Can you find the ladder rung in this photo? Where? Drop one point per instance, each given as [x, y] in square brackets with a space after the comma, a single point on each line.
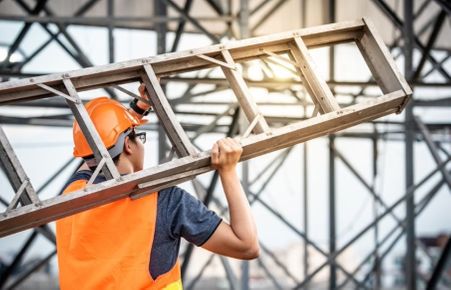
[215, 61]
[19, 180]
[90, 132]
[17, 196]
[56, 92]
[243, 94]
[316, 86]
[165, 114]
[96, 171]
[280, 58]
[251, 126]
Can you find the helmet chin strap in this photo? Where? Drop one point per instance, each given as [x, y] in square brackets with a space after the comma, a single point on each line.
[113, 151]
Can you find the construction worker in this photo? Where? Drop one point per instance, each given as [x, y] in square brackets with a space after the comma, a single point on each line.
[134, 244]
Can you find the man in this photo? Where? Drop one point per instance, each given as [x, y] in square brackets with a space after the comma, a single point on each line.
[134, 244]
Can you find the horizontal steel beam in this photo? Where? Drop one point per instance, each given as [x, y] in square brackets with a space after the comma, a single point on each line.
[107, 21]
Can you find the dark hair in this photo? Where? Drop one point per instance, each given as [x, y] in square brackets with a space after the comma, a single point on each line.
[132, 137]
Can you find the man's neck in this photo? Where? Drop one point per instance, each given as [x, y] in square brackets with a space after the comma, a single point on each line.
[124, 167]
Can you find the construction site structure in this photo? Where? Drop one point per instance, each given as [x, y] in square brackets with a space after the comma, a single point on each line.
[34, 212]
[409, 28]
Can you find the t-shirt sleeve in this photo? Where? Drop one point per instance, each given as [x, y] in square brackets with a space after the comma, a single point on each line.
[190, 218]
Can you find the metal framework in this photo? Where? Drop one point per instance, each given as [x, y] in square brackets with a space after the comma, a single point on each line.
[290, 52]
[332, 118]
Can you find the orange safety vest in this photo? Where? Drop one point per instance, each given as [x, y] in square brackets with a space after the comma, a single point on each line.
[109, 247]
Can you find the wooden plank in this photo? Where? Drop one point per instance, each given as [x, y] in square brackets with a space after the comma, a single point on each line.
[90, 132]
[111, 190]
[380, 62]
[166, 115]
[316, 86]
[243, 95]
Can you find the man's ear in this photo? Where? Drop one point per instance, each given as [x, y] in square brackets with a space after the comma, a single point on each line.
[127, 146]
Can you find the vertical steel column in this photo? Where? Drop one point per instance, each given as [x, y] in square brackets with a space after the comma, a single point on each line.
[229, 23]
[244, 19]
[409, 154]
[305, 168]
[305, 171]
[161, 10]
[332, 219]
[181, 26]
[332, 215]
[440, 267]
[110, 12]
[244, 33]
[17, 259]
[245, 264]
[377, 270]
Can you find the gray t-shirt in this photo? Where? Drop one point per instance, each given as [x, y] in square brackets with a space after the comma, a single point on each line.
[179, 214]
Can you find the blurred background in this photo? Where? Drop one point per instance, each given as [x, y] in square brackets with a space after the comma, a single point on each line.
[323, 208]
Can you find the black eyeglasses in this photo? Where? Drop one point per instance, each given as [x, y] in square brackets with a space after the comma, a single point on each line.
[140, 135]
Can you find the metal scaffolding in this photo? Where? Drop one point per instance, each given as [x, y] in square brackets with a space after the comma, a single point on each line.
[236, 19]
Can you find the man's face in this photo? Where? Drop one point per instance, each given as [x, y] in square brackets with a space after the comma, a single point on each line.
[138, 154]
[134, 149]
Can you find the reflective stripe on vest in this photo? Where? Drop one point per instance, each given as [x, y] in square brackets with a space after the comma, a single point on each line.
[109, 247]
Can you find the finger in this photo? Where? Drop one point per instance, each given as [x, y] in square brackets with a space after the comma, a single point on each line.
[142, 91]
[237, 139]
[226, 148]
[233, 145]
[215, 154]
[223, 146]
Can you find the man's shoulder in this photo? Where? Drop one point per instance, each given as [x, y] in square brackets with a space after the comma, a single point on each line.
[84, 175]
[173, 192]
[174, 196]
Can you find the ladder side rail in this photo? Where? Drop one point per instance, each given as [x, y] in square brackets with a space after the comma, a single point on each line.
[167, 64]
[187, 167]
[89, 131]
[381, 63]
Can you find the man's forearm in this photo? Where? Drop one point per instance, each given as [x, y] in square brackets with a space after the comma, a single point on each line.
[241, 218]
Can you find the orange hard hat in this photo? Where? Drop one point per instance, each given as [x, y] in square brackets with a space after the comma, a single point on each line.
[111, 119]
